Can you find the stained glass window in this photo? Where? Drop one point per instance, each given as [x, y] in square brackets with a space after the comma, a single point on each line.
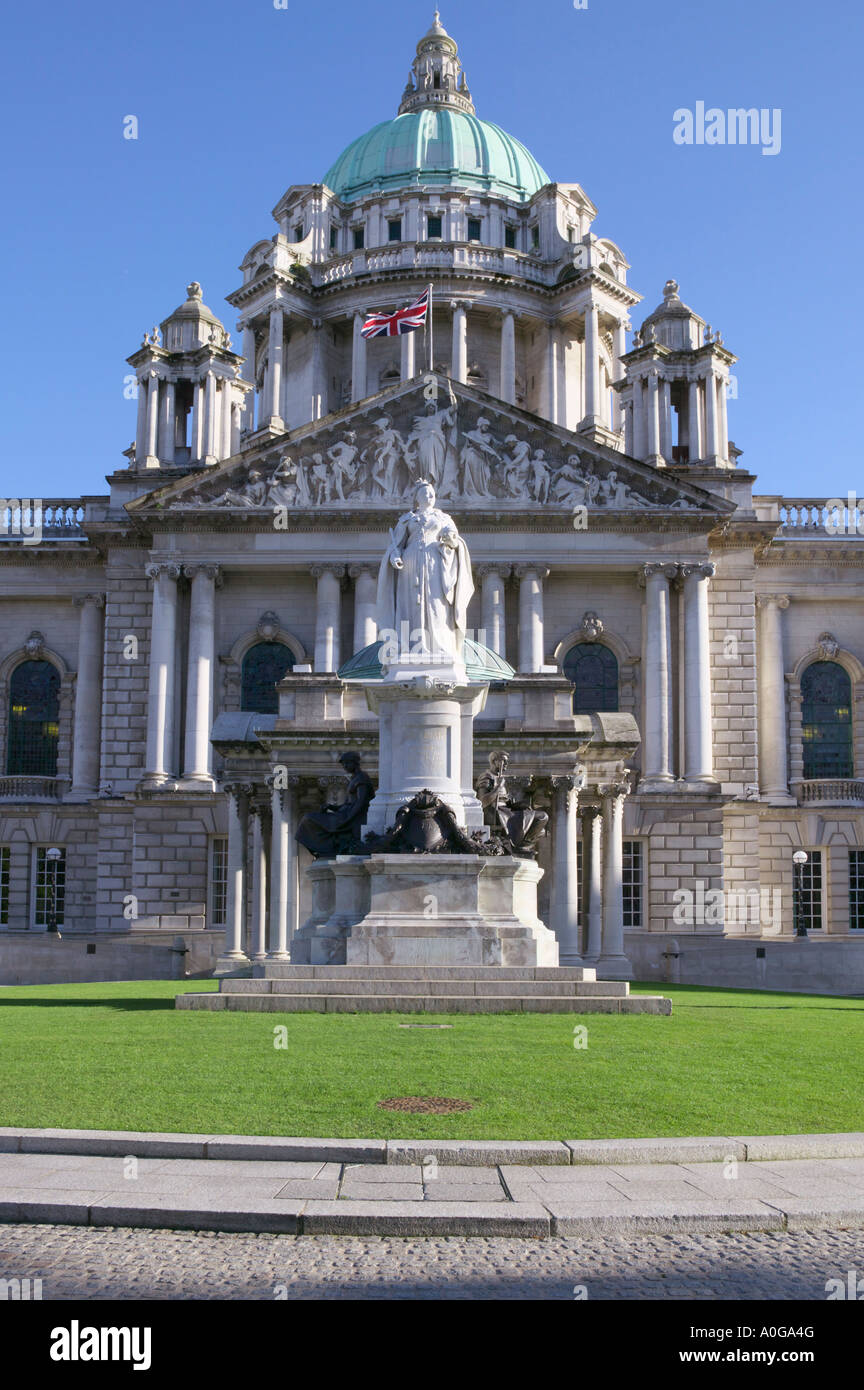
[34, 714]
[593, 671]
[264, 665]
[826, 695]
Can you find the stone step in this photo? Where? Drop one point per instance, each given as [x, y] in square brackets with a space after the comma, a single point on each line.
[439, 987]
[277, 971]
[423, 1004]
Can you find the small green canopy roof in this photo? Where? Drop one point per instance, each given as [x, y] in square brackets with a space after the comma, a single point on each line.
[481, 664]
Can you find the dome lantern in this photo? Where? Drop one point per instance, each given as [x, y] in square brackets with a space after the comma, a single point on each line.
[437, 77]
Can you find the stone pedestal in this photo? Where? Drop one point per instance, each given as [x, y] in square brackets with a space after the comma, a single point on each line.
[447, 910]
[426, 741]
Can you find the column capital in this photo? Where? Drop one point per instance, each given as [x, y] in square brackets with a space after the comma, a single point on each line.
[661, 568]
[485, 570]
[522, 570]
[591, 813]
[781, 601]
[703, 571]
[287, 781]
[153, 571]
[238, 791]
[357, 571]
[96, 600]
[460, 304]
[318, 571]
[616, 790]
[213, 572]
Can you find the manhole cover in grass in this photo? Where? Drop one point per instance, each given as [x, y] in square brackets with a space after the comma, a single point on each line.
[425, 1025]
[425, 1105]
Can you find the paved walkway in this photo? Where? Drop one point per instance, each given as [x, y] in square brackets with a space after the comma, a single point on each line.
[76, 1262]
[430, 1197]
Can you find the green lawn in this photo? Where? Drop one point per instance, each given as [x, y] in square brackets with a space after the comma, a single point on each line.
[119, 1056]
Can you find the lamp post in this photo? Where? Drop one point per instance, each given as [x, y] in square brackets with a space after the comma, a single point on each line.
[799, 859]
[53, 857]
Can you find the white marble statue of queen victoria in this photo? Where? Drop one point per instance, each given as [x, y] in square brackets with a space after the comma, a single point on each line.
[425, 584]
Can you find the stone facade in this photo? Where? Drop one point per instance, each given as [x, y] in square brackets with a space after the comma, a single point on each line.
[605, 510]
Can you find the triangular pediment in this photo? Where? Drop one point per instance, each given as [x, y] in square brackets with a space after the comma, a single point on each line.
[480, 454]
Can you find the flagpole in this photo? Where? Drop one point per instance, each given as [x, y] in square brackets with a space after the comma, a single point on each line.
[431, 340]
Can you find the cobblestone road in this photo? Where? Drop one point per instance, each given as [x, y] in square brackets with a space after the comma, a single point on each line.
[82, 1263]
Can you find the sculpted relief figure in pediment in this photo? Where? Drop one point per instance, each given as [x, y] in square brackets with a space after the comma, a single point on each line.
[379, 460]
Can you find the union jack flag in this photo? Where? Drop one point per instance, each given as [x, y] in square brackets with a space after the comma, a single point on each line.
[403, 321]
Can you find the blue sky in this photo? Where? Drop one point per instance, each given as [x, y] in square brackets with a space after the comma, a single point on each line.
[236, 100]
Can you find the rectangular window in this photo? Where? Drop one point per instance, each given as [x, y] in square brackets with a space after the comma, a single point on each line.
[299, 232]
[218, 882]
[4, 886]
[359, 238]
[49, 888]
[434, 228]
[510, 238]
[633, 884]
[394, 229]
[535, 238]
[334, 238]
[475, 229]
[807, 906]
[856, 889]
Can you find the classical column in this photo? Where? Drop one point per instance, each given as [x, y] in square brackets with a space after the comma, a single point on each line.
[657, 745]
[358, 361]
[409, 356]
[141, 425]
[654, 455]
[712, 447]
[564, 919]
[619, 347]
[201, 662]
[459, 367]
[613, 963]
[698, 760]
[640, 423]
[260, 836]
[328, 616]
[723, 422]
[225, 441]
[551, 350]
[238, 826]
[237, 426]
[160, 699]
[507, 390]
[592, 415]
[592, 868]
[284, 877]
[694, 423]
[196, 442]
[88, 698]
[319, 370]
[210, 418]
[493, 606]
[773, 774]
[629, 424]
[531, 646]
[249, 375]
[273, 407]
[152, 459]
[167, 425]
[365, 604]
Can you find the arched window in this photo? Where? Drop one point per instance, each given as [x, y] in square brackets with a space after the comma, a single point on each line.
[826, 697]
[593, 671]
[34, 713]
[264, 665]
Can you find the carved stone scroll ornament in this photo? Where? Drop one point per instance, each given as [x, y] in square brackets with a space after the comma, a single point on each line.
[426, 825]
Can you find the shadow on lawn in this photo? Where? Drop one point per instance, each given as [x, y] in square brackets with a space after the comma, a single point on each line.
[90, 1001]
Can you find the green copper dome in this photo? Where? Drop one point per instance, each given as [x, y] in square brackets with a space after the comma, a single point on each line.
[436, 148]
[482, 665]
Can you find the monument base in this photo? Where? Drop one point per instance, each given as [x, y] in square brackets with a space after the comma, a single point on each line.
[403, 909]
